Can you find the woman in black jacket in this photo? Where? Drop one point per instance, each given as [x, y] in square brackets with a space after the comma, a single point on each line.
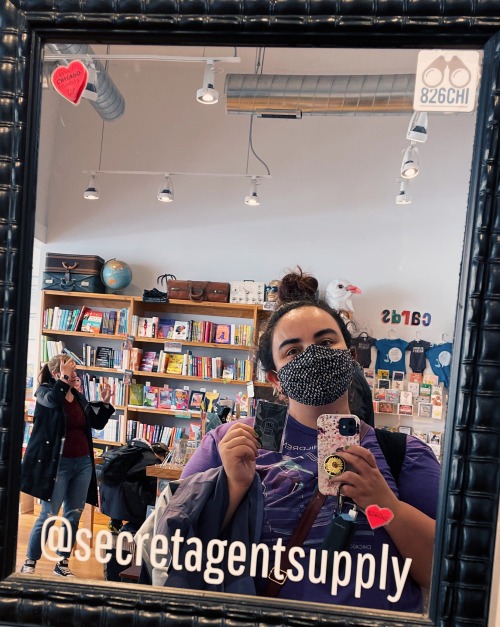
[58, 466]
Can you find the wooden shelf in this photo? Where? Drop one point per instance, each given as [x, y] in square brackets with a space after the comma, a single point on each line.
[228, 310]
[250, 314]
[100, 336]
[181, 413]
[100, 301]
[107, 442]
[183, 377]
[162, 340]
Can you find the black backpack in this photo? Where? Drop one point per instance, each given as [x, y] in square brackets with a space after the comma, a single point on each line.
[117, 463]
[393, 446]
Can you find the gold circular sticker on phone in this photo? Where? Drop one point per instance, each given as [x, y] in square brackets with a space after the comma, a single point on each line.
[334, 465]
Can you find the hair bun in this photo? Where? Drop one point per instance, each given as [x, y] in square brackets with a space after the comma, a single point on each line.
[298, 285]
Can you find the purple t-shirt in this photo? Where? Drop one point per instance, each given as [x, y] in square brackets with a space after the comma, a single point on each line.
[289, 480]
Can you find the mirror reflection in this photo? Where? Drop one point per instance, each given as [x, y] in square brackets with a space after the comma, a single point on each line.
[211, 174]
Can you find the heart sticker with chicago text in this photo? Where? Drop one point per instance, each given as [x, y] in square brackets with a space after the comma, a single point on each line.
[70, 81]
[378, 516]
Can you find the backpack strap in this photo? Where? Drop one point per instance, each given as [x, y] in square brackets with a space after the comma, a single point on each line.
[393, 446]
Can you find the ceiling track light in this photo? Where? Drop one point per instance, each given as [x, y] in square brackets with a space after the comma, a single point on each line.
[403, 198]
[207, 94]
[417, 129]
[253, 199]
[166, 191]
[91, 193]
[409, 165]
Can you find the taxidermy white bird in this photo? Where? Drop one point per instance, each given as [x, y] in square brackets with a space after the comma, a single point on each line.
[339, 294]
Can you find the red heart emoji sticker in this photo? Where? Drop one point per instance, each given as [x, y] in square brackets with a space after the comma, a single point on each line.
[70, 81]
[378, 516]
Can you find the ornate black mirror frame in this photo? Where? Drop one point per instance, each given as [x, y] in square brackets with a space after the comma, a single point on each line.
[468, 520]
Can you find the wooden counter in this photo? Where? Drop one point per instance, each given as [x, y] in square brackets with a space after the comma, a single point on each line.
[169, 471]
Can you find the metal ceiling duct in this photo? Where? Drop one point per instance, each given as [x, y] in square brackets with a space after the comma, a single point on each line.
[291, 96]
[110, 104]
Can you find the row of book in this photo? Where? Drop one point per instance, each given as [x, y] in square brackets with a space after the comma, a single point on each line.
[111, 432]
[28, 428]
[186, 400]
[186, 364]
[155, 397]
[192, 330]
[86, 319]
[137, 360]
[92, 386]
[50, 348]
[102, 356]
[154, 433]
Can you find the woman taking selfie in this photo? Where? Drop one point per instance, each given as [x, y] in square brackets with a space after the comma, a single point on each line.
[304, 350]
[58, 466]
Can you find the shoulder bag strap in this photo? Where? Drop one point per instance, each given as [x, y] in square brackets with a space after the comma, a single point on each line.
[306, 521]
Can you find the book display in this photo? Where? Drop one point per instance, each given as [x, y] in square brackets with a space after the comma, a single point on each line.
[161, 359]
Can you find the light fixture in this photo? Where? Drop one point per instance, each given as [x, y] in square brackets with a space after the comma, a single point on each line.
[207, 94]
[166, 191]
[403, 198]
[91, 193]
[417, 129]
[252, 198]
[409, 165]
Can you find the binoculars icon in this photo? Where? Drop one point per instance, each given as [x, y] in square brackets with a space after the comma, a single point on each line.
[458, 73]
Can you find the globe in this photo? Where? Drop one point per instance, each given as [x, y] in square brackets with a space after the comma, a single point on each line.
[116, 275]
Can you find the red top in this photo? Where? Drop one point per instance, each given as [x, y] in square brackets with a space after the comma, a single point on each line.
[76, 443]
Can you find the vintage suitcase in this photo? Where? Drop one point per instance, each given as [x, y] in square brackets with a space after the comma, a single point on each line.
[198, 291]
[73, 273]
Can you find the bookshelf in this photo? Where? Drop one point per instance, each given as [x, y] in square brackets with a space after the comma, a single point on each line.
[57, 328]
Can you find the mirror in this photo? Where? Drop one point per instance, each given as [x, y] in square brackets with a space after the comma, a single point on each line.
[328, 205]
[292, 261]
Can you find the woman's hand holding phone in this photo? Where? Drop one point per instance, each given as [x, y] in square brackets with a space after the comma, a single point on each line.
[363, 482]
[238, 452]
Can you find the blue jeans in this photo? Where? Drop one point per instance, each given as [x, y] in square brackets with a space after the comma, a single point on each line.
[70, 490]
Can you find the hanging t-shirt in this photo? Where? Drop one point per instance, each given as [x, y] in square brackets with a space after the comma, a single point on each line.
[439, 356]
[363, 345]
[417, 355]
[391, 355]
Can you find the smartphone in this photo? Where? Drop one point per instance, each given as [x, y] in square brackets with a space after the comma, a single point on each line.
[270, 422]
[335, 432]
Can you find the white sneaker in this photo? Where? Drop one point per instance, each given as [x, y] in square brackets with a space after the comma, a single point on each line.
[28, 568]
[62, 569]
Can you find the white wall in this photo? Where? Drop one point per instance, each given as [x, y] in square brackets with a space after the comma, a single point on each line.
[329, 206]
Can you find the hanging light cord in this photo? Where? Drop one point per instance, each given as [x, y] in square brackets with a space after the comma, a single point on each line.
[106, 65]
[102, 141]
[259, 65]
[251, 148]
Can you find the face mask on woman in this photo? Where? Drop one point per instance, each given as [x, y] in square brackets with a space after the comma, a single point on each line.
[317, 376]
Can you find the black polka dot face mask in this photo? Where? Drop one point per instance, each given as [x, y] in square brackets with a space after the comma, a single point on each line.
[317, 376]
